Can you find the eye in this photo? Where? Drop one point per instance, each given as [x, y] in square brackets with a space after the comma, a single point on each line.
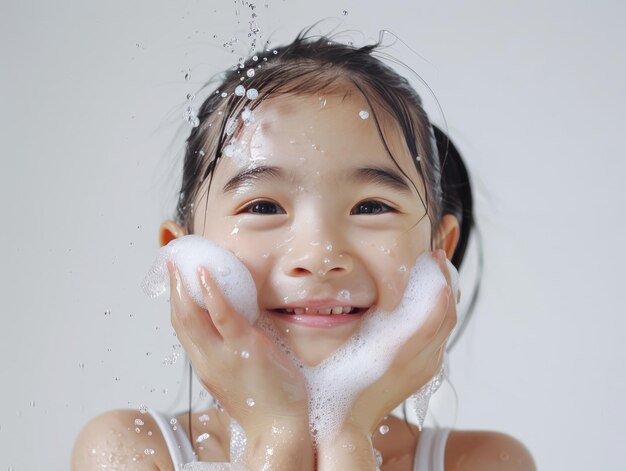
[371, 207]
[263, 207]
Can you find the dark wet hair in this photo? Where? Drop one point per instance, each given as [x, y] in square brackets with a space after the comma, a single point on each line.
[309, 66]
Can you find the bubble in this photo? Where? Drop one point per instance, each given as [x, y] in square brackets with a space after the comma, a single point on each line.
[240, 90]
[137, 430]
[402, 268]
[250, 402]
[149, 451]
[224, 94]
[139, 422]
[245, 354]
[418, 158]
[274, 52]
[255, 58]
[143, 409]
[383, 429]
[252, 94]
[203, 437]
[364, 114]
[173, 421]
[204, 418]
[326, 261]
[250, 72]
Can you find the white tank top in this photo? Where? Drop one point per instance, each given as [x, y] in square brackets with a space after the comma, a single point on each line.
[429, 454]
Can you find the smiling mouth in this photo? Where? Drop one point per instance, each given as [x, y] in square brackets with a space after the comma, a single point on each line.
[299, 311]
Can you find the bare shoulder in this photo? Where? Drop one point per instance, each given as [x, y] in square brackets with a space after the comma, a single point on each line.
[111, 440]
[487, 451]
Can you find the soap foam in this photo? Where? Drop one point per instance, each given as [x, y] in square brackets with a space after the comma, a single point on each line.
[192, 251]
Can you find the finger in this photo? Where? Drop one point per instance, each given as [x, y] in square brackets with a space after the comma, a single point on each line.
[229, 323]
[192, 324]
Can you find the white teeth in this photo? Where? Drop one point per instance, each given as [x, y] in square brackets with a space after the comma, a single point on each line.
[326, 311]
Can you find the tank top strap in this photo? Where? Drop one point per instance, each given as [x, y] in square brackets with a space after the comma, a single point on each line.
[431, 449]
[178, 444]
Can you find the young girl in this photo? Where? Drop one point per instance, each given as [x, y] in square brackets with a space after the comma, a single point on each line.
[316, 165]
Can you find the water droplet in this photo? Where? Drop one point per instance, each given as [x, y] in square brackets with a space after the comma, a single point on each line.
[224, 94]
[344, 13]
[143, 409]
[188, 75]
[329, 246]
[252, 94]
[240, 90]
[343, 294]
[204, 418]
[245, 354]
[250, 402]
[418, 158]
[190, 96]
[173, 421]
[229, 150]
[364, 114]
[138, 422]
[326, 261]
[402, 268]
[107, 312]
[137, 430]
[81, 365]
[274, 52]
[32, 403]
[150, 433]
[250, 72]
[383, 429]
[149, 451]
[203, 437]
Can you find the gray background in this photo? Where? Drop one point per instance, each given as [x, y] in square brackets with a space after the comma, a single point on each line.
[92, 98]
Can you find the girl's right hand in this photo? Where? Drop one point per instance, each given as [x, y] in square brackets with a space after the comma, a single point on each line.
[242, 368]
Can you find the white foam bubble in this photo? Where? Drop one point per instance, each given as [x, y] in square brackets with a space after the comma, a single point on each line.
[192, 251]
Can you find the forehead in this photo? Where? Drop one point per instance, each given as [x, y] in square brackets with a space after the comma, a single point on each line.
[333, 130]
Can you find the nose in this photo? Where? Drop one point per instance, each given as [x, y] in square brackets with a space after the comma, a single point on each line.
[320, 259]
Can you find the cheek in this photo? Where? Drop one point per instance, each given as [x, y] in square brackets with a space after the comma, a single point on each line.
[391, 260]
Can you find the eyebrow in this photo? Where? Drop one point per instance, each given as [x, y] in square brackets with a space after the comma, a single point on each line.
[382, 176]
[262, 172]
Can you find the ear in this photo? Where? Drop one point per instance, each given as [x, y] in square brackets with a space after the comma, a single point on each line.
[169, 231]
[448, 234]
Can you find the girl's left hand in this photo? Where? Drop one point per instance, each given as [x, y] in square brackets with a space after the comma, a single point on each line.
[418, 360]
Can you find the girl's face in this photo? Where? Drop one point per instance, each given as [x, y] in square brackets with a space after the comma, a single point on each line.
[309, 199]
